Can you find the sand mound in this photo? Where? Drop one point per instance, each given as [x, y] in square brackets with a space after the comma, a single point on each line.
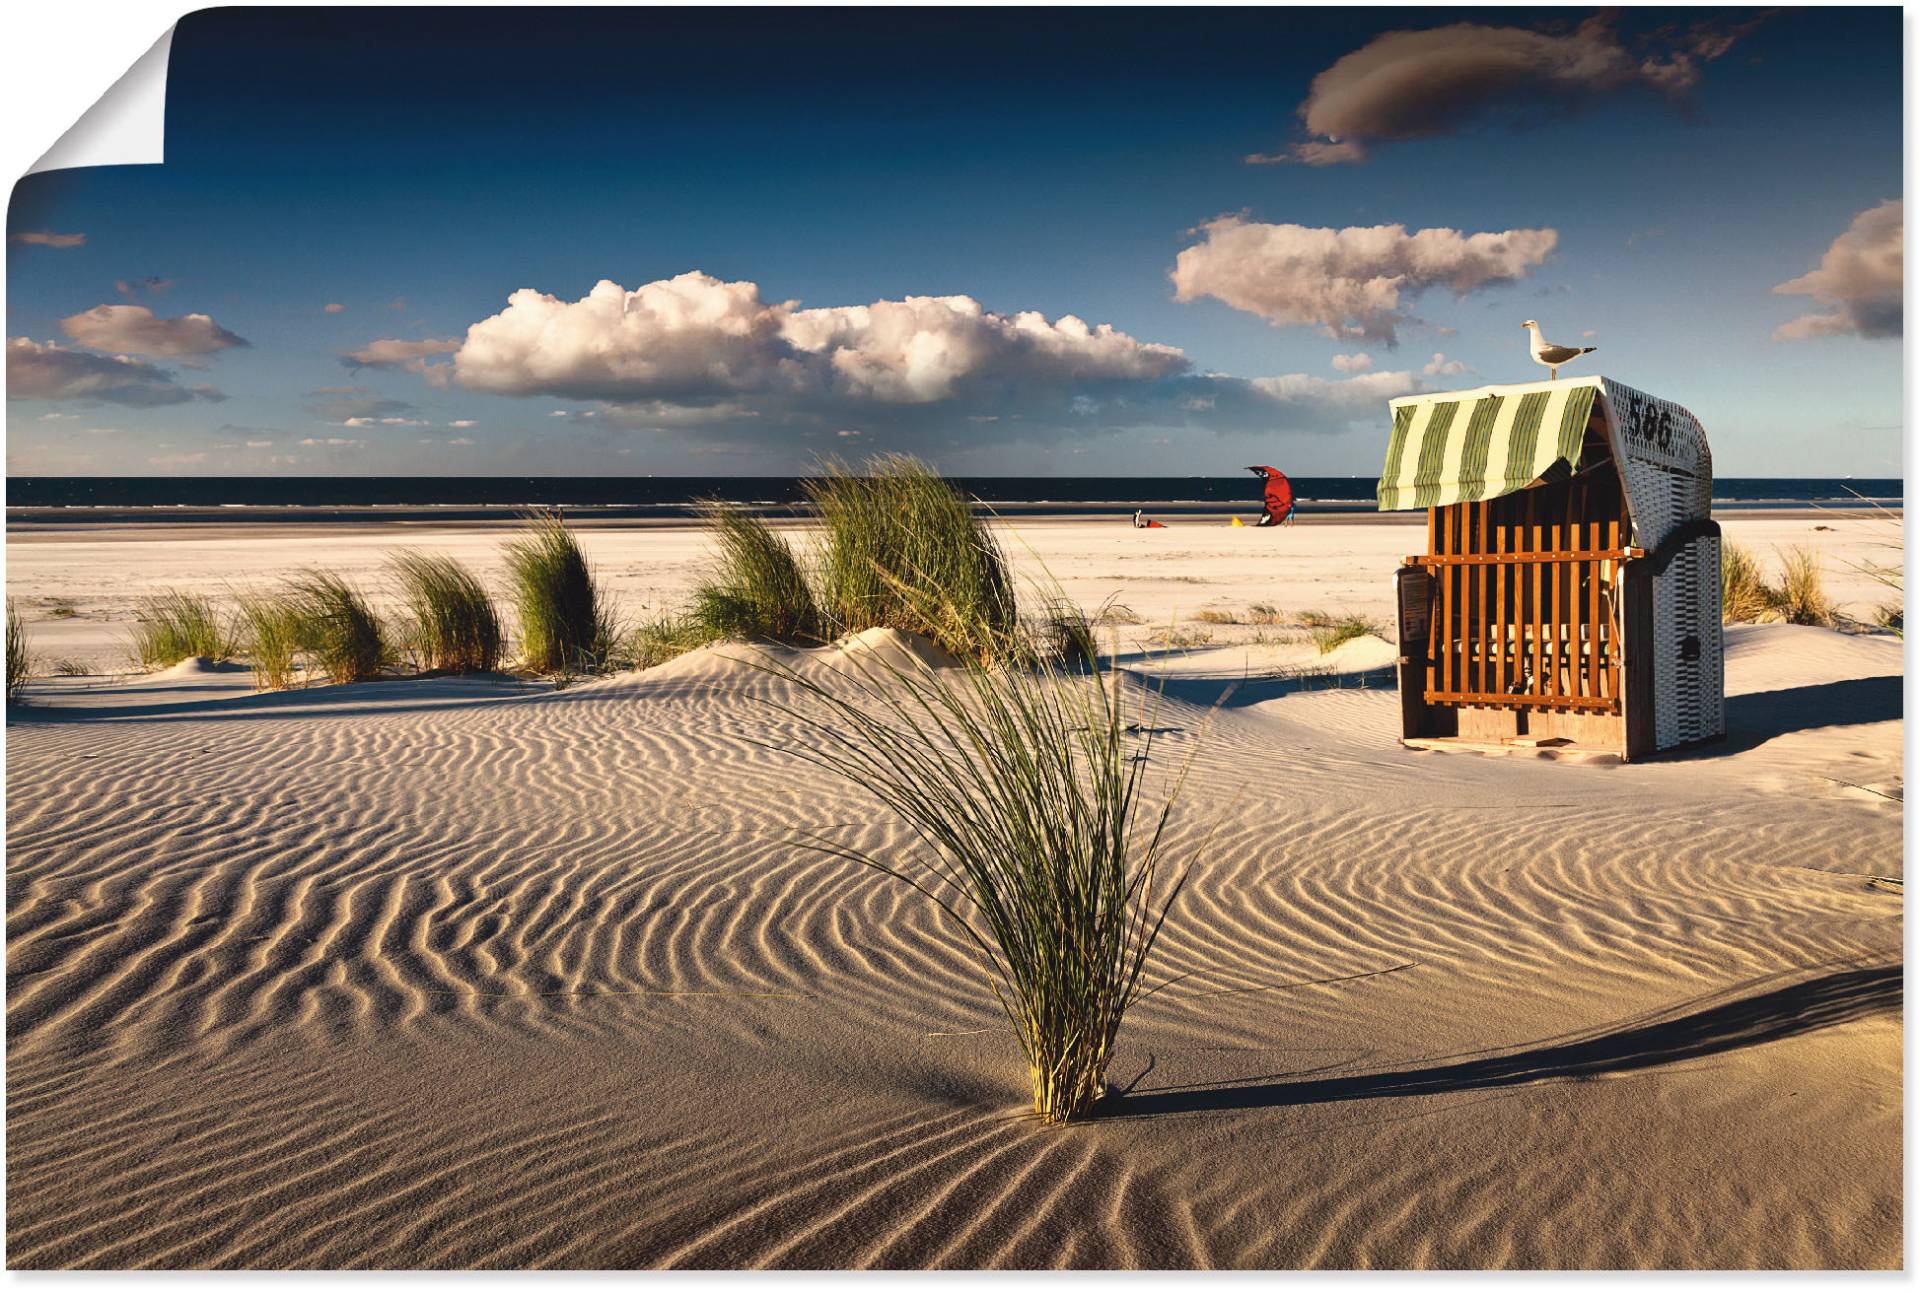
[420, 975]
[199, 666]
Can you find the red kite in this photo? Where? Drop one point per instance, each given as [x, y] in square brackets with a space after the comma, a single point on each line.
[1279, 495]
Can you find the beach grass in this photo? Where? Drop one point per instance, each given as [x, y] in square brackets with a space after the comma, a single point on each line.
[1023, 784]
[175, 626]
[1214, 617]
[1801, 595]
[334, 625]
[1331, 632]
[565, 625]
[271, 627]
[1066, 633]
[901, 548]
[19, 659]
[660, 639]
[1744, 595]
[757, 588]
[452, 625]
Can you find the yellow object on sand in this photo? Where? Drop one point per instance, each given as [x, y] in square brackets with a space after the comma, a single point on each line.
[1237, 521]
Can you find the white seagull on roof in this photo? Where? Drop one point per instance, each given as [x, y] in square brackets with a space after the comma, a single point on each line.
[1545, 352]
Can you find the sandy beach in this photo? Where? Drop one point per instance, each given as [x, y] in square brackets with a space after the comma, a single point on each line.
[477, 972]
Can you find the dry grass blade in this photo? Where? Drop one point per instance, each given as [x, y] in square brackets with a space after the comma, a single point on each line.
[1801, 597]
[1744, 595]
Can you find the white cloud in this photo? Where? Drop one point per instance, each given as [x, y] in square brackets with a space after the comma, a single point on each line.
[259, 444]
[1350, 282]
[412, 356]
[335, 441]
[341, 403]
[1352, 363]
[1327, 401]
[1861, 278]
[332, 307]
[694, 339]
[384, 422]
[1441, 366]
[50, 371]
[461, 422]
[1414, 84]
[136, 330]
[45, 238]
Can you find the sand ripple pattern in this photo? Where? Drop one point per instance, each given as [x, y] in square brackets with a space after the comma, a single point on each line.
[447, 978]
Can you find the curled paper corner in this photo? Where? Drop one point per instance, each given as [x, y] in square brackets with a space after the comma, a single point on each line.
[126, 126]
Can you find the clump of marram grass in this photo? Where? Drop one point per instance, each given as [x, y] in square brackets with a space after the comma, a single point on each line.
[1214, 617]
[334, 625]
[1023, 785]
[901, 548]
[1801, 595]
[19, 659]
[272, 630]
[1066, 633]
[1264, 613]
[662, 638]
[756, 588]
[1744, 595]
[1331, 632]
[564, 624]
[452, 626]
[175, 626]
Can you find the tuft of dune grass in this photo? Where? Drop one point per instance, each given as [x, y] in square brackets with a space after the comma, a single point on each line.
[336, 627]
[1744, 595]
[19, 659]
[272, 635]
[756, 588]
[452, 626]
[1264, 613]
[1801, 595]
[1023, 785]
[1214, 617]
[175, 626]
[564, 623]
[902, 549]
[1331, 632]
[664, 637]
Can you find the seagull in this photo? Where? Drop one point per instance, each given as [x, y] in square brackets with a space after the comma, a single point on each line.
[1545, 352]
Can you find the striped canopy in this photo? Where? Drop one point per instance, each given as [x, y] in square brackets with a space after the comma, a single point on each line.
[1466, 446]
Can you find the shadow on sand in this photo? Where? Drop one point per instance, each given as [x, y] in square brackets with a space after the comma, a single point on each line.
[1707, 1026]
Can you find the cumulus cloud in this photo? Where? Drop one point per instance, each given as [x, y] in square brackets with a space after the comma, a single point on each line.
[1412, 84]
[1359, 363]
[136, 330]
[1352, 282]
[413, 356]
[718, 364]
[45, 238]
[50, 371]
[694, 339]
[1441, 366]
[1860, 279]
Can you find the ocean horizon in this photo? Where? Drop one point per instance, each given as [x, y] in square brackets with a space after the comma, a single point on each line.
[672, 495]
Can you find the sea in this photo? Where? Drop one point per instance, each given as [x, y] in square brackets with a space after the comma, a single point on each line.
[453, 497]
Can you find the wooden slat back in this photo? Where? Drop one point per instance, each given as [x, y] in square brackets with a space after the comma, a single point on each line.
[1525, 597]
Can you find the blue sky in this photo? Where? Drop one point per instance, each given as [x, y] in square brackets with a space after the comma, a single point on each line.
[1648, 179]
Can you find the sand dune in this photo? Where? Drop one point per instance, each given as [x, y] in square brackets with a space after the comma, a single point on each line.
[472, 972]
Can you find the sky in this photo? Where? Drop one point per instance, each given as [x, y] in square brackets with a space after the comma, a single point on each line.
[1019, 242]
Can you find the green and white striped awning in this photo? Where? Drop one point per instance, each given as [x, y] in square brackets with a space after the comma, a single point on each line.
[1466, 446]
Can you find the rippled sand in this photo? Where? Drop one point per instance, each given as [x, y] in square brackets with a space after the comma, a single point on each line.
[477, 973]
